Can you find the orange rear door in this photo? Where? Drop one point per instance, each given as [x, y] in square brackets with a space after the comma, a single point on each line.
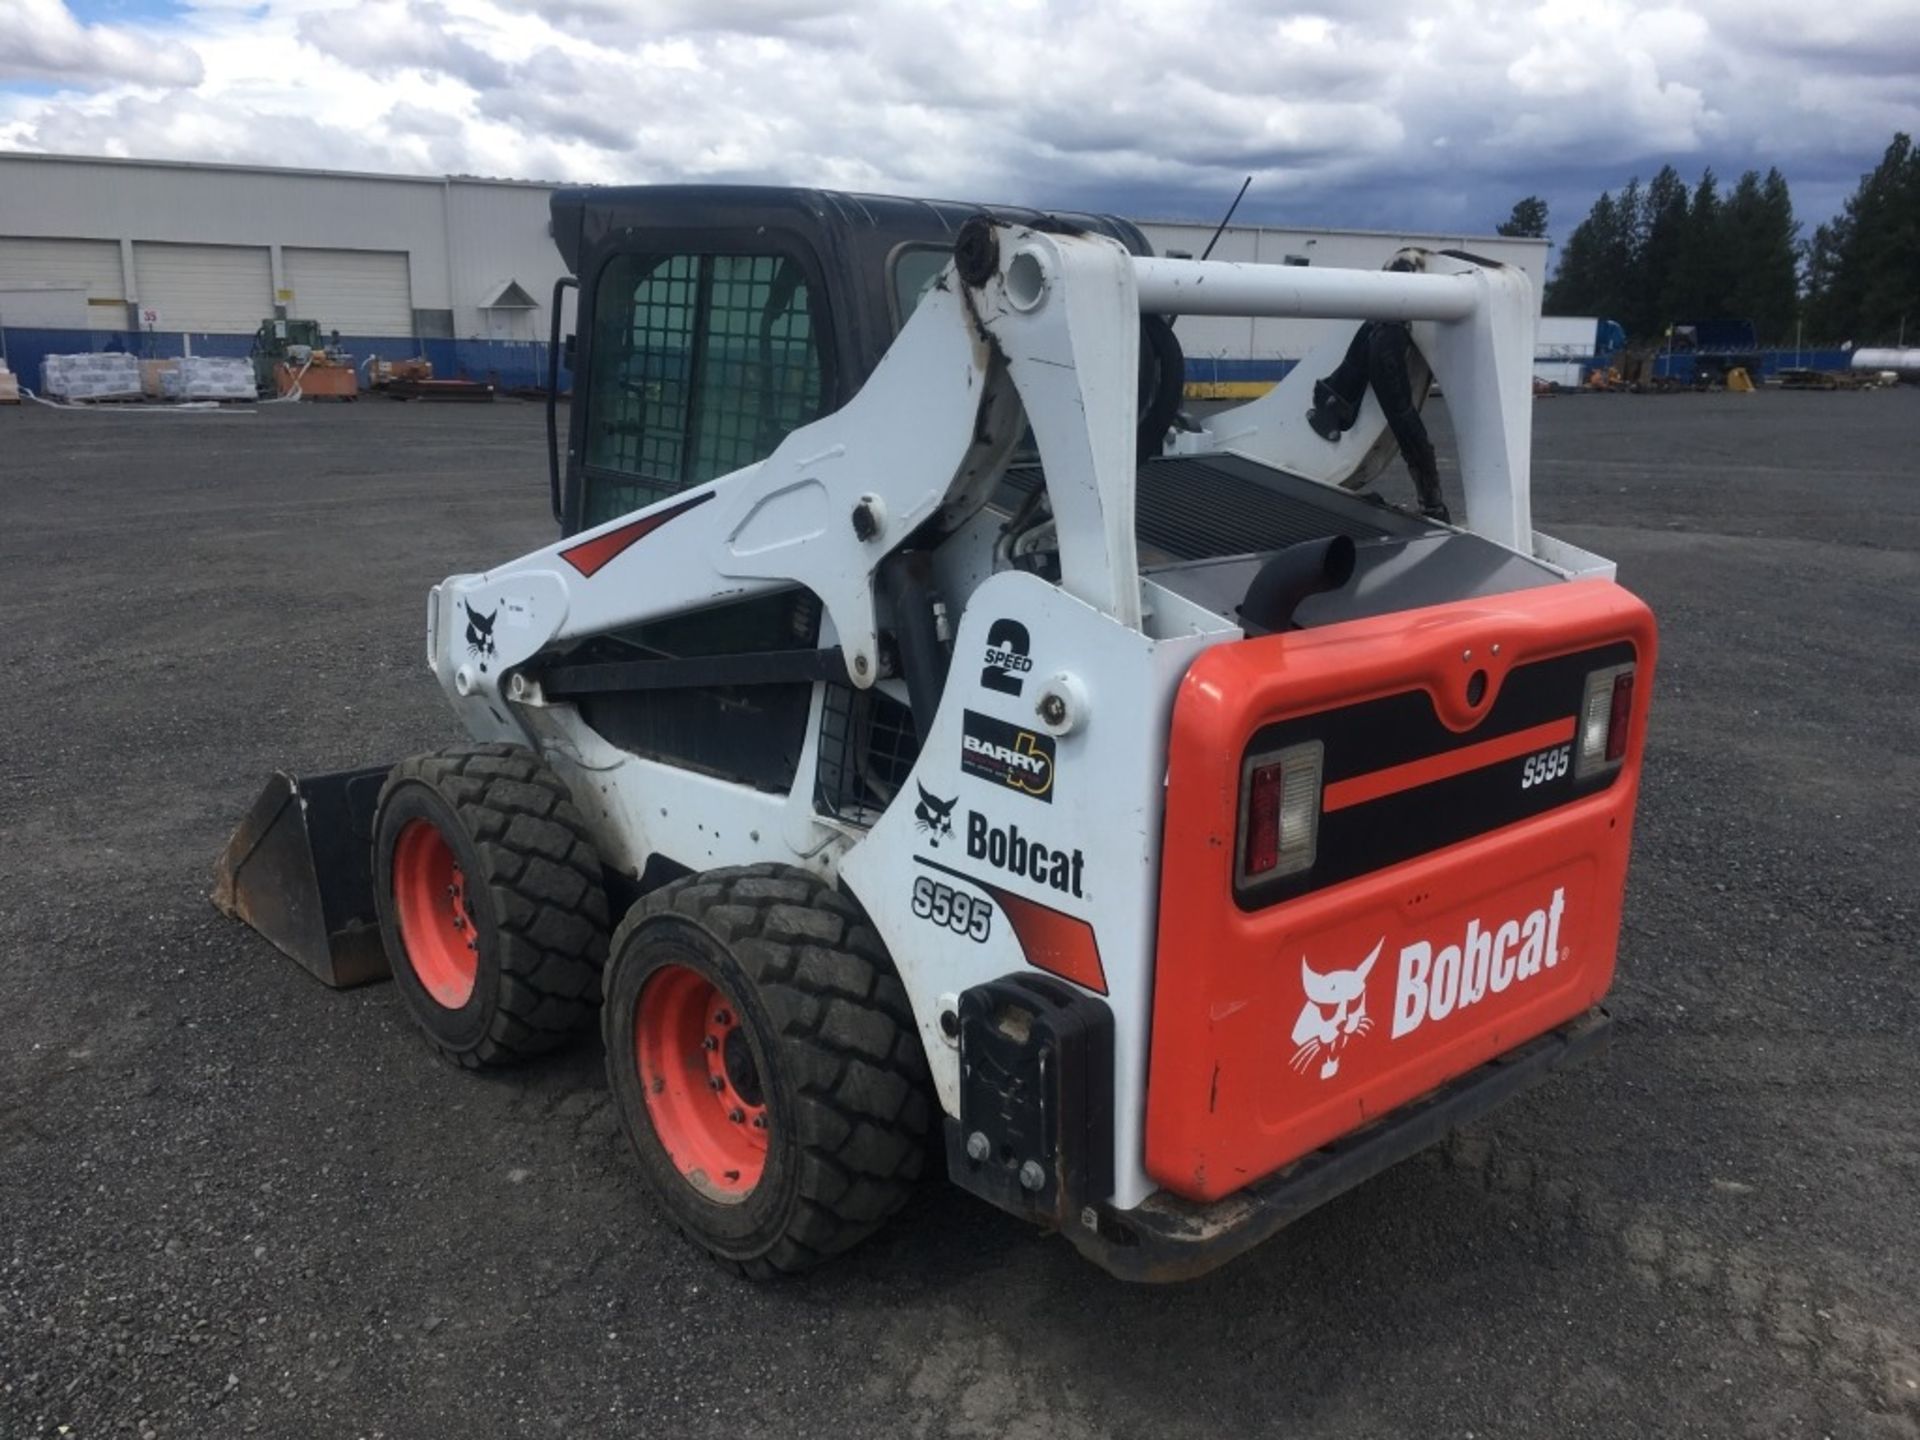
[1461, 890]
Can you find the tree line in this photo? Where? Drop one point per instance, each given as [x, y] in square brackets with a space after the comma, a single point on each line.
[1667, 253]
[1863, 266]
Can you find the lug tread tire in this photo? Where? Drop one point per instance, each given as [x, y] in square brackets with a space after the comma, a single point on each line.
[544, 883]
[847, 1038]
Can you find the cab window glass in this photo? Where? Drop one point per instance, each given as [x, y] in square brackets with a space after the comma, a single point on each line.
[701, 364]
[915, 268]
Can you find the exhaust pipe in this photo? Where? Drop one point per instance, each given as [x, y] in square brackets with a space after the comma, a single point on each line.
[1308, 568]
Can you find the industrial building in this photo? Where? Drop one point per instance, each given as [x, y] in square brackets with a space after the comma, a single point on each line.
[160, 257]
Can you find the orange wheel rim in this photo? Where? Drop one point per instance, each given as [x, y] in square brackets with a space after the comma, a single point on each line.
[436, 915]
[702, 1084]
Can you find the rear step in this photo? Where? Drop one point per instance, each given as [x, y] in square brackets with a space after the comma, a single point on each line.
[1169, 1238]
[299, 869]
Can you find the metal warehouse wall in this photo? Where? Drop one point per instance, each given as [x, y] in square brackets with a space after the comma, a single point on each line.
[462, 239]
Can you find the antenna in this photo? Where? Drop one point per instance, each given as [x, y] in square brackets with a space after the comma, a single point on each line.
[1226, 219]
[1218, 231]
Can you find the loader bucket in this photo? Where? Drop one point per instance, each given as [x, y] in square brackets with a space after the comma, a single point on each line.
[299, 869]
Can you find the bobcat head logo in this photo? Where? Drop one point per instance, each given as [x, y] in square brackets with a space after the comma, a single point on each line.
[480, 634]
[933, 816]
[1335, 1012]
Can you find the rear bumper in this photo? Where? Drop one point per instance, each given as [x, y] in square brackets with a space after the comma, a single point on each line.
[1169, 1238]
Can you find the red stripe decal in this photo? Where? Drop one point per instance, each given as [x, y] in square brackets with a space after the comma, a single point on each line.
[589, 556]
[1054, 942]
[1378, 784]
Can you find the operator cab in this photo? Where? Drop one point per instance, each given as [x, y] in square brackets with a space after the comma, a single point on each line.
[716, 319]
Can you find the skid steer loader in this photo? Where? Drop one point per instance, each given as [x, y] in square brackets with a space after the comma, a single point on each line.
[924, 742]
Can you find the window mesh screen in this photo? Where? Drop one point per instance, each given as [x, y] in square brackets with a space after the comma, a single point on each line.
[759, 376]
[867, 750]
[702, 364]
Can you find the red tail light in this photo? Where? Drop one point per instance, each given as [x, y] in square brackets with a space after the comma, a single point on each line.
[1280, 811]
[1620, 716]
[1263, 819]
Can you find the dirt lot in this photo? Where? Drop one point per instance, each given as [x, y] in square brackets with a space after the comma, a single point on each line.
[234, 1203]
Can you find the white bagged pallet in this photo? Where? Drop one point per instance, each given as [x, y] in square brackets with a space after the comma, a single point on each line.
[104, 376]
[209, 377]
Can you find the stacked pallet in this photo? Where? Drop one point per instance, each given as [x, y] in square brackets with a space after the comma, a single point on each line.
[107, 376]
[9, 386]
[208, 377]
[152, 373]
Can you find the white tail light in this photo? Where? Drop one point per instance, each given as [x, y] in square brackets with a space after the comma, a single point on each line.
[1279, 812]
[1606, 721]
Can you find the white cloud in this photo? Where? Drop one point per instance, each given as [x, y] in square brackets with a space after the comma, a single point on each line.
[40, 40]
[1369, 112]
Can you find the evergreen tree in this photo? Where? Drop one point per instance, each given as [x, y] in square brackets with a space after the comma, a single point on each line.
[1864, 265]
[1659, 254]
[1623, 262]
[1528, 220]
[1695, 285]
[1823, 275]
[1579, 285]
[1760, 257]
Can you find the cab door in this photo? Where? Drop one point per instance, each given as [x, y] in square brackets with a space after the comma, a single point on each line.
[697, 354]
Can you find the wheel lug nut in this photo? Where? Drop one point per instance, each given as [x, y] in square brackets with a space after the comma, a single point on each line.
[723, 1017]
[715, 1083]
[760, 1122]
[709, 1043]
[736, 1115]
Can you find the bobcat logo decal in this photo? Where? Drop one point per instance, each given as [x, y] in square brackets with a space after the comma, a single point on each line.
[933, 816]
[480, 635]
[1335, 1012]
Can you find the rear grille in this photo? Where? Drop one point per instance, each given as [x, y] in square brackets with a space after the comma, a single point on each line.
[1203, 507]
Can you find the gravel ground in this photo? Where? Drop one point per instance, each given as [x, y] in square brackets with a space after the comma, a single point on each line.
[234, 1203]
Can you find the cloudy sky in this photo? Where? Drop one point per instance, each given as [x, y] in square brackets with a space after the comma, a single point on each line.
[1382, 113]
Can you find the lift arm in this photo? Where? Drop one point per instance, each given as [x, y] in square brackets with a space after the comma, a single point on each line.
[1027, 323]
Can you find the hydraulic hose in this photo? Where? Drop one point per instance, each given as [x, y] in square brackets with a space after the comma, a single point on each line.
[906, 583]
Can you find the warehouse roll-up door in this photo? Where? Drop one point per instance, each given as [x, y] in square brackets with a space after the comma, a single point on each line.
[217, 289]
[63, 283]
[357, 292]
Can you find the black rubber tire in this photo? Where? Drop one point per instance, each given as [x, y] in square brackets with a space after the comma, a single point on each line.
[537, 900]
[849, 1100]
